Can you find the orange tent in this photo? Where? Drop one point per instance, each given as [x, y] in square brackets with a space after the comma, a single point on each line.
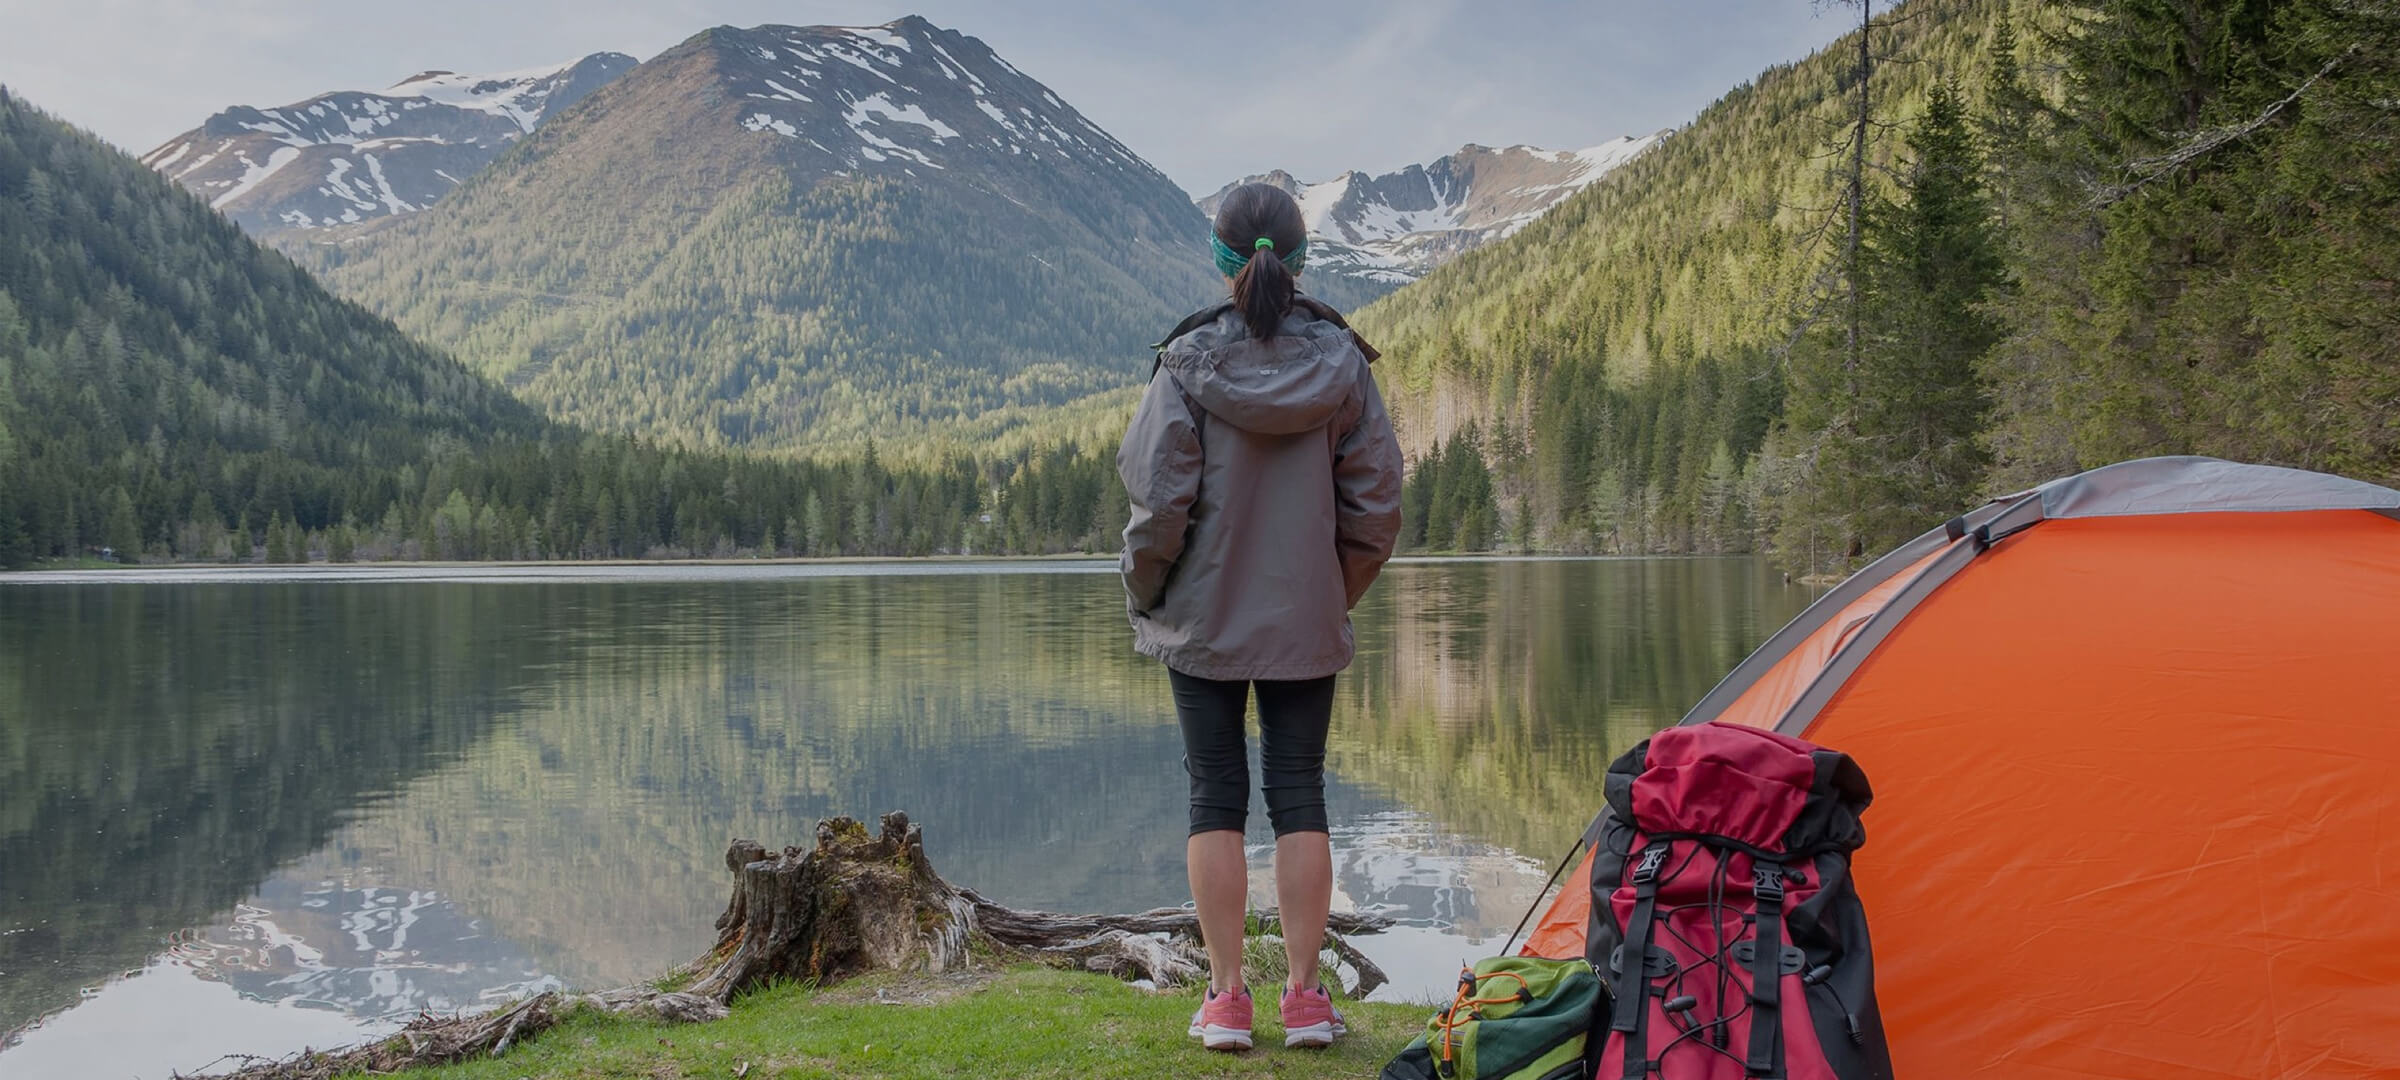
[2135, 742]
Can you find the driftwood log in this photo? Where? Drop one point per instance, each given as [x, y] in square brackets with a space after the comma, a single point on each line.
[857, 902]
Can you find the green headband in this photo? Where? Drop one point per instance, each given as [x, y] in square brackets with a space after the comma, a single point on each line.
[1230, 262]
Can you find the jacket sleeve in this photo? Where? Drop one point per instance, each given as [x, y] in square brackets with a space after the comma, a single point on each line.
[1160, 465]
[1366, 484]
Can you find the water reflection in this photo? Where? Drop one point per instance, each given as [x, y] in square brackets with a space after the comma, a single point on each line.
[370, 952]
[163, 750]
[366, 799]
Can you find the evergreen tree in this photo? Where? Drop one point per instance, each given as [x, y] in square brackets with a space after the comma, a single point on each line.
[69, 534]
[1442, 508]
[1607, 511]
[1891, 438]
[813, 528]
[1449, 502]
[279, 545]
[1416, 502]
[1720, 494]
[1937, 260]
[454, 529]
[121, 531]
[16, 549]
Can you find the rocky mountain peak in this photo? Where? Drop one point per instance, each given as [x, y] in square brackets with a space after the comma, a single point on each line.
[902, 97]
[1377, 233]
[352, 156]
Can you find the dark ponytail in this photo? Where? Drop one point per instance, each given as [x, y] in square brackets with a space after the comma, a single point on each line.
[1260, 226]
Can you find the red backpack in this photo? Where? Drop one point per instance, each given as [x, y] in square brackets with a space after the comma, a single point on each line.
[1723, 919]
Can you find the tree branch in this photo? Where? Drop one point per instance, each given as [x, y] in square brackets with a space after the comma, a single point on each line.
[2150, 169]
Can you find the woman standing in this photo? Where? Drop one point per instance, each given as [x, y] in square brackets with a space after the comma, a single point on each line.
[1266, 496]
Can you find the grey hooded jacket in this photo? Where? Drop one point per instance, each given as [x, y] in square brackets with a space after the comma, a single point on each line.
[1266, 497]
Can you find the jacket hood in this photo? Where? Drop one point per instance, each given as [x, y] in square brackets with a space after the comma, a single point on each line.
[1293, 382]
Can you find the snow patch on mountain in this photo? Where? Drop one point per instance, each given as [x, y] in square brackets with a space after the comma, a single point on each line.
[255, 173]
[520, 96]
[874, 105]
[763, 122]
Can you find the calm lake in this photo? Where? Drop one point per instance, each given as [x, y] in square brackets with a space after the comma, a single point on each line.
[252, 811]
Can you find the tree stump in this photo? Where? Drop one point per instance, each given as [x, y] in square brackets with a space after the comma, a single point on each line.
[862, 902]
[855, 903]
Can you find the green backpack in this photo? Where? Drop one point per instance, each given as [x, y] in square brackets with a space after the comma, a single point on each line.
[1515, 1018]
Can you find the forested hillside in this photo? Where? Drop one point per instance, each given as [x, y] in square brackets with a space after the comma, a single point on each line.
[1619, 363]
[2129, 228]
[153, 359]
[170, 388]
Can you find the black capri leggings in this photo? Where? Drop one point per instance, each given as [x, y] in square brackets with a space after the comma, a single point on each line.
[1292, 718]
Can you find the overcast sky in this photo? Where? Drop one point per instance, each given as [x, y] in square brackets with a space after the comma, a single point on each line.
[1206, 91]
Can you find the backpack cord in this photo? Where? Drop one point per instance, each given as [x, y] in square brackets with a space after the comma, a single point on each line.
[1544, 894]
[1448, 1019]
[1709, 1035]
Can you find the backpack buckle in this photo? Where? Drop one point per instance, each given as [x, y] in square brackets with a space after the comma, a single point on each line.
[1654, 859]
[1766, 883]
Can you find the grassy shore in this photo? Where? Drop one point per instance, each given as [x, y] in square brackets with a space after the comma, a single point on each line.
[1026, 1022]
[79, 563]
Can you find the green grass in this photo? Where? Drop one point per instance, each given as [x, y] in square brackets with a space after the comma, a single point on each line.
[1028, 1022]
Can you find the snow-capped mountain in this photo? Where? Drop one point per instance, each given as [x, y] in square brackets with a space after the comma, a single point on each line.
[904, 99]
[785, 235]
[352, 156]
[1386, 231]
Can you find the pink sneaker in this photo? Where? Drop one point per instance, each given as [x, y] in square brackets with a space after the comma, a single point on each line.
[1223, 1022]
[1309, 1018]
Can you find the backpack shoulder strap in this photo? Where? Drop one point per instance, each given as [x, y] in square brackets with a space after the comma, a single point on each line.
[1765, 1058]
[1191, 322]
[1304, 302]
[1632, 987]
[1325, 311]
